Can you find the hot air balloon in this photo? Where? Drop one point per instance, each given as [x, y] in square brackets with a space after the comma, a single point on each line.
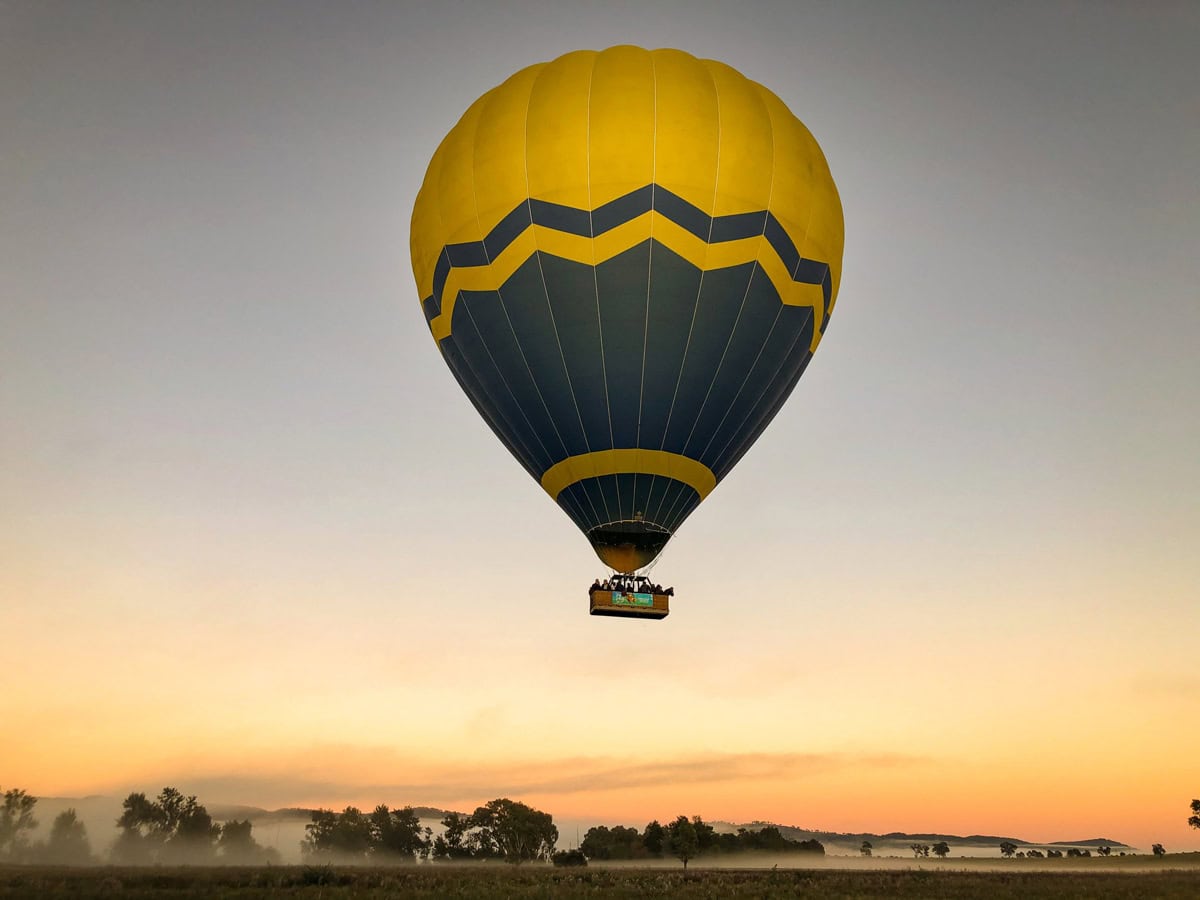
[627, 259]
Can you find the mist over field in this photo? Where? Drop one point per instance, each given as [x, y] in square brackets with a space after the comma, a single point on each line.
[284, 829]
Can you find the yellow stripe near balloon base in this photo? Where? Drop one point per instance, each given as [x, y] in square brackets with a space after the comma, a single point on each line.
[593, 251]
[695, 475]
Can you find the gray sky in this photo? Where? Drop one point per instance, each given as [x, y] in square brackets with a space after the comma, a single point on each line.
[220, 408]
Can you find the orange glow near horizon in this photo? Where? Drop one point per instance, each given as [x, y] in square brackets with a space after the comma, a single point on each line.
[844, 792]
[821, 740]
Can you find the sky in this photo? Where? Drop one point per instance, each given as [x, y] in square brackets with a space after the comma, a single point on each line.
[256, 544]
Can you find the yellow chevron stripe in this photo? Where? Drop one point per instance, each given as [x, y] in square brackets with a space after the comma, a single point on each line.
[629, 461]
[593, 251]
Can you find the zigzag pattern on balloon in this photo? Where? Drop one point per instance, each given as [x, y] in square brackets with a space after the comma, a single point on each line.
[592, 237]
[590, 428]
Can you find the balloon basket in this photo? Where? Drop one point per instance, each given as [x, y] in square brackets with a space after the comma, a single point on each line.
[629, 597]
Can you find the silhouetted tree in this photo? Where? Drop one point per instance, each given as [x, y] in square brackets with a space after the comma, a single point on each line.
[397, 835]
[1035, 854]
[866, 848]
[140, 825]
[1104, 851]
[1054, 854]
[940, 849]
[597, 843]
[189, 829]
[919, 850]
[1007, 849]
[618, 842]
[237, 845]
[171, 828]
[682, 840]
[440, 850]
[450, 844]
[654, 838]
[16, 818]
[67, 844]
[706, 835]
[1158, 850]
[344, 836]
[518, 833]
[1194, 818]
[501, 829]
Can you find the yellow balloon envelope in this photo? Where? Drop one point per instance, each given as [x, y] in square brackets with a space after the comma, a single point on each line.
[627, 259]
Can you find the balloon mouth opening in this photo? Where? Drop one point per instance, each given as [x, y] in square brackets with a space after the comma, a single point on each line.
[628, 546]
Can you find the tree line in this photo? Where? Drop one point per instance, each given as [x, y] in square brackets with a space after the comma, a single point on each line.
[686, 839]
[174, 828]
[501, 830]
[171, 828]
[66, 844]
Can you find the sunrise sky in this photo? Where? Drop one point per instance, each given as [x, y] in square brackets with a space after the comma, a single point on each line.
[256, 544]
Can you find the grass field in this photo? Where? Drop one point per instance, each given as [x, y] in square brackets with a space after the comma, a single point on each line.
[1162, 880]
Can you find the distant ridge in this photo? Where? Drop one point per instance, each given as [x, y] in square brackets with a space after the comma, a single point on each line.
[984, 840]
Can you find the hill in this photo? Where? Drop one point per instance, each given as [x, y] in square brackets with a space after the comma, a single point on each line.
[900, 841]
